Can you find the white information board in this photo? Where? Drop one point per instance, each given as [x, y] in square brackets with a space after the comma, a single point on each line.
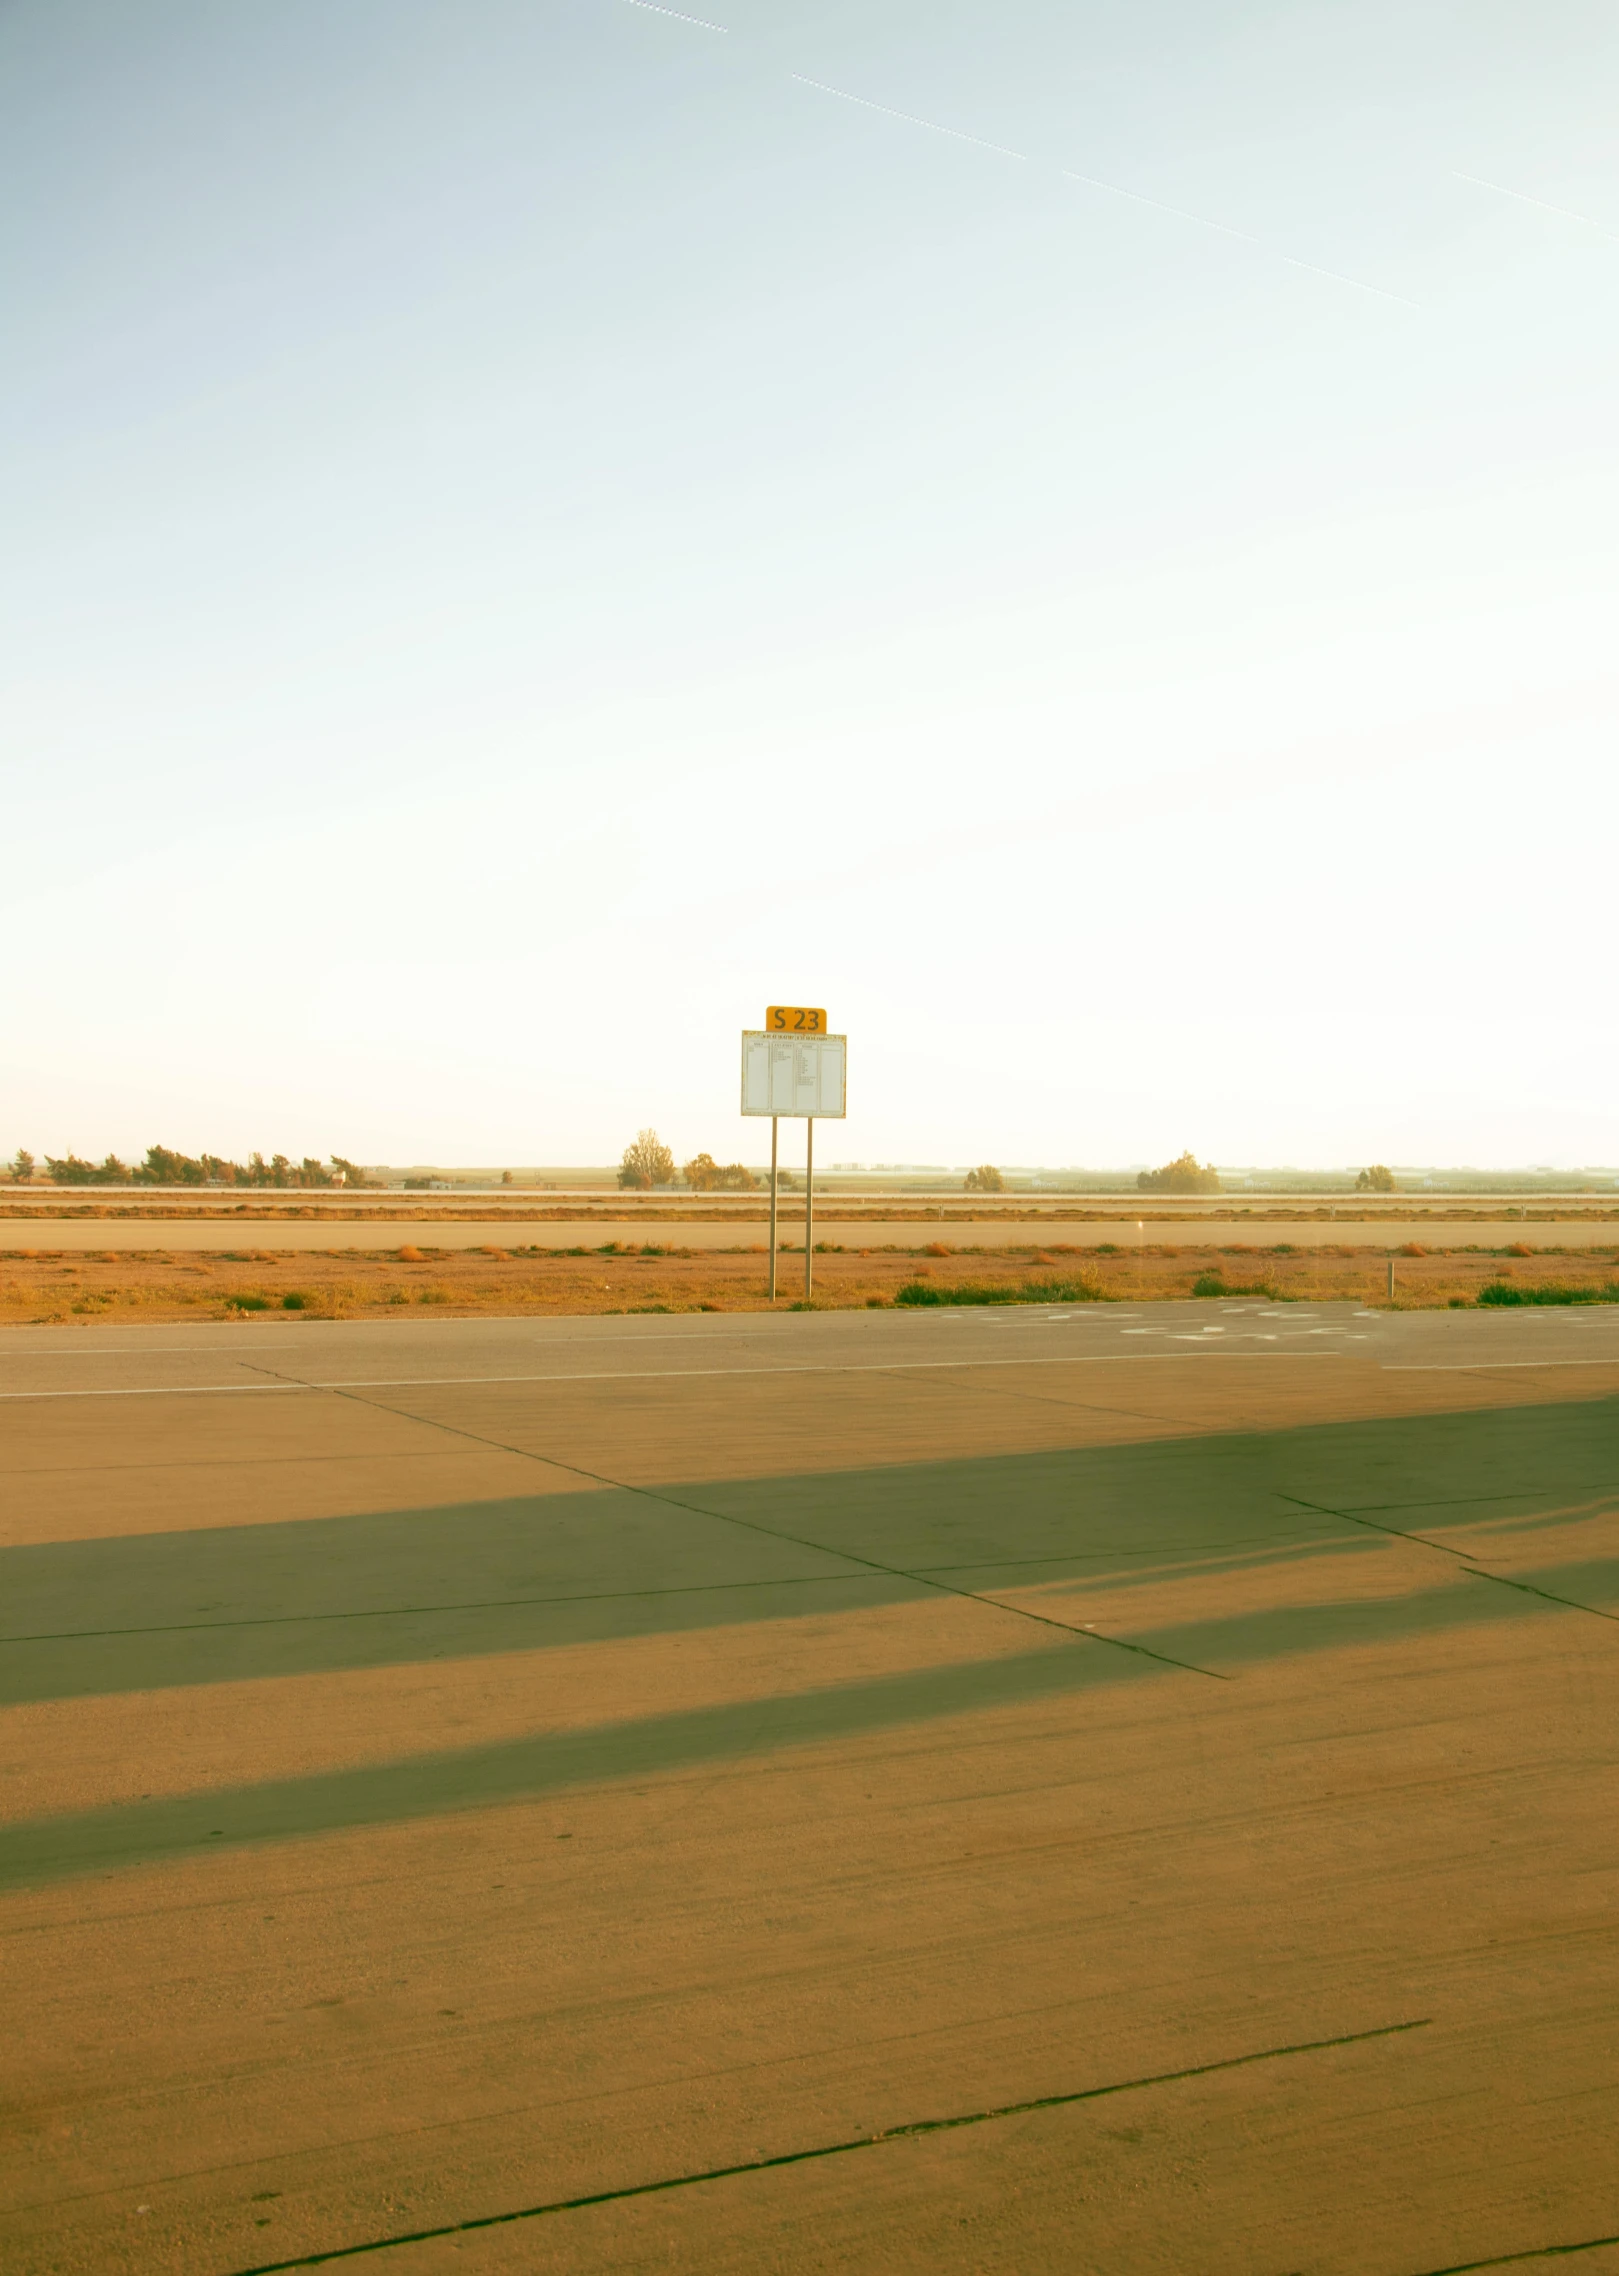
[793, 1074]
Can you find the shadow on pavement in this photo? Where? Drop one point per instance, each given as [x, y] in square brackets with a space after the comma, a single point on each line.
[200, 1607]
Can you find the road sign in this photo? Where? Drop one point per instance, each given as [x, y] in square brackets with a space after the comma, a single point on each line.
[792, 1066]
[793, 1074]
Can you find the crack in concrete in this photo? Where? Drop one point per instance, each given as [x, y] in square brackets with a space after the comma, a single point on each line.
[914, 2131]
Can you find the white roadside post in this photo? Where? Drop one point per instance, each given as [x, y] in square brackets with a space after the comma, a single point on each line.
[792, 1067]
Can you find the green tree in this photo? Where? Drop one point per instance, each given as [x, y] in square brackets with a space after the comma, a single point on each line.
[985, 1179]
[704, 1175]
[1186, 1174]
[647, 1163]
[22, 1166]
[163, 1166]
[69, 1170]
[1379, 1178]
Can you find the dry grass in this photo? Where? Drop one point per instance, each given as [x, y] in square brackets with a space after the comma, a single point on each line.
[80, 1287]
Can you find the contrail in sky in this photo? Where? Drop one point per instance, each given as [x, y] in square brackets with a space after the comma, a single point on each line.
[702, 22]
[911, 119]
[1202, 222]
[1022, 158]
[1524, 198]
[1113, 189]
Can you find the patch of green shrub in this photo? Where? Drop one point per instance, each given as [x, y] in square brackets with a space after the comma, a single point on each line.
[1081, 1291]
[240, 1303]
[1215, 1284]
[294, 1301]
[1549, 1292]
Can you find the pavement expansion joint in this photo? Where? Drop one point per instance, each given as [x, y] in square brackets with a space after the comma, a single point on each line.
[454, 1604]
[800, 1540]
[1515, 2259]
[915, 2130]
[1464, 1557]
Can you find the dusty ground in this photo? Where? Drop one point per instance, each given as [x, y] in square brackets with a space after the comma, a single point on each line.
[1119, 1793]
[45, 1285]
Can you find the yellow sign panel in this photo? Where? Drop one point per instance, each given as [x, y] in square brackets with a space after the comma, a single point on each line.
[794, 1019]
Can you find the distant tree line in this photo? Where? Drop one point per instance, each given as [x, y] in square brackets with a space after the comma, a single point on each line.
[648, 1162]
[163, 1166]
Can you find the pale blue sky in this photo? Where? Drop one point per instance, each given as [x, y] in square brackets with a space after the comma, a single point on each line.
[529, 531]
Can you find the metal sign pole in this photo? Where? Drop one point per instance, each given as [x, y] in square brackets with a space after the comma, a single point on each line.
[775, 1126]
[809, 1205]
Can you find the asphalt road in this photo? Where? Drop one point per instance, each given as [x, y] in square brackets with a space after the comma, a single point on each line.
[1117, 1790]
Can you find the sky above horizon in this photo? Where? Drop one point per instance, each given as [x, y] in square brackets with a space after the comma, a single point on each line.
[1079, 537]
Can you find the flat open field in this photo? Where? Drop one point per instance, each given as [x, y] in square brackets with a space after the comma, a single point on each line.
[1119, 1789]
[711, 1226]
[75, 1285]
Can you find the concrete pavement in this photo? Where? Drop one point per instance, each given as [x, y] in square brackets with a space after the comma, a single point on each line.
[465, 1782]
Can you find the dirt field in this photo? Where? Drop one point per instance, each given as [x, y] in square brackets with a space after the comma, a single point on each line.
[1120, 1791]
[49, 1286]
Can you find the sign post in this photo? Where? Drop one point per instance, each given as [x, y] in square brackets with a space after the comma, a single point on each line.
[793, 1067]
[775, 1128]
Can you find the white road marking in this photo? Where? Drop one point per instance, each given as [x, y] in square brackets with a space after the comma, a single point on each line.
[632, 1375]
[1473, 1366]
